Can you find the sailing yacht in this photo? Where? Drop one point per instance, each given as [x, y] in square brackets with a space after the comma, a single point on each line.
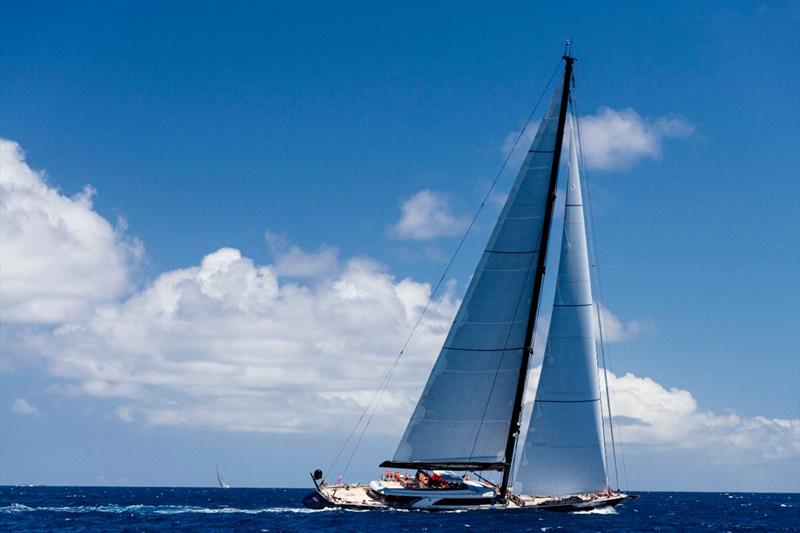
[468, 418]
[221, 481]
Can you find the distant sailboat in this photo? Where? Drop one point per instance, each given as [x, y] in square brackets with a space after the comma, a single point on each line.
[221, 481]
[468, 417]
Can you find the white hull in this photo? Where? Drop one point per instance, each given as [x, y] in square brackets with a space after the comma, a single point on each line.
[365, 496]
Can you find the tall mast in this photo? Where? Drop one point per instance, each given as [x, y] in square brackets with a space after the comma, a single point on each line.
[514, 427]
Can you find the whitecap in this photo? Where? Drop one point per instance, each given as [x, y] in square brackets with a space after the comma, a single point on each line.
[162, 509]
[15, 508]
[600, 510]
[233, 510]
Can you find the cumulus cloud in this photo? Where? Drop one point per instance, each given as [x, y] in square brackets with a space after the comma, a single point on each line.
[618, 139]
[123, 412]
[613, 139]
[231, 345]
[23, 407]
[616, 330]
[59, 258]
[648, 414]
[427, 215]
[292, 261]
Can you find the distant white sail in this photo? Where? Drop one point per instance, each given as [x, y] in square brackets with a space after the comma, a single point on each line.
[564, 450]
[221, 481]
[465, 410]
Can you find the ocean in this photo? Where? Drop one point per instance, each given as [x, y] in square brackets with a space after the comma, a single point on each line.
[213, 509]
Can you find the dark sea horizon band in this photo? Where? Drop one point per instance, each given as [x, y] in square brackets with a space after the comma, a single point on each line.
[276, 509]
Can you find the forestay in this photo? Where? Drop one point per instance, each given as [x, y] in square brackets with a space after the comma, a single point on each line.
[564, 451]
[464, 413]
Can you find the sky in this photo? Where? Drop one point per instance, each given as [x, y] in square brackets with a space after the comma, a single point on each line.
[220, 221]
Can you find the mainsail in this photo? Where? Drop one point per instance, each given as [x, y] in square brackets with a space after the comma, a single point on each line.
[466, 411]
[564, 450]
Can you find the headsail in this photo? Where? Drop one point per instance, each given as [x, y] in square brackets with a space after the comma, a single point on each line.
[465, 412]
[221, 481]
[564, 451]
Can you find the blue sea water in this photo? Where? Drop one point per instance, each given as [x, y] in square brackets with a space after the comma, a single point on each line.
[212, 509]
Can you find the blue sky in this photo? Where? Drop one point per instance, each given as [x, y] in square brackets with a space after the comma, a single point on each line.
[202, 126]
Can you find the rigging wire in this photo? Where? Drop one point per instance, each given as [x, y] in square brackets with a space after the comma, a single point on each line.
[374, 402]
[605, 353]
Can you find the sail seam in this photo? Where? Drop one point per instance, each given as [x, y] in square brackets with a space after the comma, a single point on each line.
[490, 323]
[536, 445]
[567, 401]
[465, 420]
[477, 371]
[507, 252]
[483, 349]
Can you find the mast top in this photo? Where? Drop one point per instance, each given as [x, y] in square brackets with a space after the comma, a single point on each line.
[568, 57]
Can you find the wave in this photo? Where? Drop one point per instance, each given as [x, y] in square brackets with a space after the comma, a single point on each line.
[167, 509]
[16, 508]
[153, 509]
[600, 510]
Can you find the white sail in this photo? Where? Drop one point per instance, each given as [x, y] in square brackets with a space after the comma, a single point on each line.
[465, 410]
[221, 481]
[564, 450]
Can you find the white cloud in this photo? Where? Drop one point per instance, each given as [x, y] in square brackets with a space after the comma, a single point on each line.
[612, 139]
[651, 414]
[618, 139]
[59, 258]
[427, 215]
[615, 330]
[231, 345]
[23, 407]
[648, 414]
[123, 412]
[292, 261]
